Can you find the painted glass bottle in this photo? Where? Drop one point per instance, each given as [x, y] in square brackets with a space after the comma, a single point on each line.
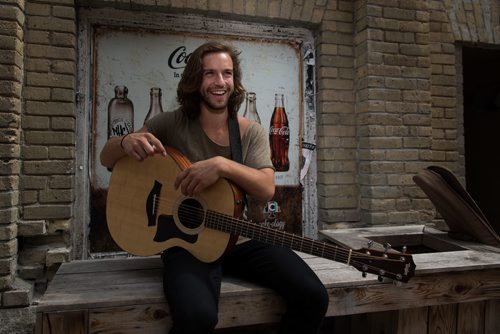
[155, 107]
[120, 113]
[251, 108]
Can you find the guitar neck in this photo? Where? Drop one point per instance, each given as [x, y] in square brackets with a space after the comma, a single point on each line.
[276, 237]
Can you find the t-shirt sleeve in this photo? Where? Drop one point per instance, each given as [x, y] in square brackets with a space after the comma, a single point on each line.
[161, 126]
[256, 150]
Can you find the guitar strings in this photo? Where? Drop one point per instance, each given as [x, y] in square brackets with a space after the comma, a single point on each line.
[237, 226]
[311, 246]
[229, 224]
[328, 251]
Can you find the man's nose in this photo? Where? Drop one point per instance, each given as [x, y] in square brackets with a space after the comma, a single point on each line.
[219, 78]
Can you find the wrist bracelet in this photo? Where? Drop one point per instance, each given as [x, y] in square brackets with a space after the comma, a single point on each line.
[121, 141]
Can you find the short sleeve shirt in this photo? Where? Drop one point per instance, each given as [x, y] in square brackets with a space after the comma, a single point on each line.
[175, 129]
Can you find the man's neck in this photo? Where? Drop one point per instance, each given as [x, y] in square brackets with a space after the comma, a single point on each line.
[215, 126]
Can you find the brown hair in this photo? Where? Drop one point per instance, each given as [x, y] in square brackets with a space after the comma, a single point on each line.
[188, 90]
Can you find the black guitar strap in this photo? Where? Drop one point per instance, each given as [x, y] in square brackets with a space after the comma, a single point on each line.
[235, 144]
[235, 140]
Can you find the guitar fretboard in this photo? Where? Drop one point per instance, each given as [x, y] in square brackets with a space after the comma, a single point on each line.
[273, 236]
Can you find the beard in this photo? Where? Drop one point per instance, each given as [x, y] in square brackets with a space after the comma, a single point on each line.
[216, 105]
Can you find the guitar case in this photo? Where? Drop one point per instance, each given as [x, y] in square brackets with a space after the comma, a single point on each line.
[463, 216]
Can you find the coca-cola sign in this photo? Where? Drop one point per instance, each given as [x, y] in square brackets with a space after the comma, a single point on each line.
[283, 131]
[178, 58]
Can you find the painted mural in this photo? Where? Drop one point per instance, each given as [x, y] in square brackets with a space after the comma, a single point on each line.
[136, 76]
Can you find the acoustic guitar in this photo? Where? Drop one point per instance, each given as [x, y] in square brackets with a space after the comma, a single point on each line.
[146, 215]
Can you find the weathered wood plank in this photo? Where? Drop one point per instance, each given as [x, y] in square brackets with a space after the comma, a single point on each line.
[266, 307]
[412, 321]
[492, 312]
[155, 318]
[374, 323]
[470, 319]
[83, 281]
[466, 260]
[65, 322]
[151, 318]
[76, 287]
[443, 319]
[421, 291]
[471, 256]
[123, 295]
[39, 323]
[106, 265]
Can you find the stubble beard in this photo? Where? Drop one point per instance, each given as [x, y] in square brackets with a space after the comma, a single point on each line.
[214, 106]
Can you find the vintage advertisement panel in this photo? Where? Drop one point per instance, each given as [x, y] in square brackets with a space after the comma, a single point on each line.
[136, 75]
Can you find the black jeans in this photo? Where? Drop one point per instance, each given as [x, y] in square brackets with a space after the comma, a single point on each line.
[192, 287]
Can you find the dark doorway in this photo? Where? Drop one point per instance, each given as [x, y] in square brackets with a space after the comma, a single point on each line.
[481, 73]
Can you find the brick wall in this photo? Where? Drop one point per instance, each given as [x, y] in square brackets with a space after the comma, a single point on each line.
[11, 80]
[393, 107]
[38, 147]
[336, 133]
[388, 104]
[48, 137]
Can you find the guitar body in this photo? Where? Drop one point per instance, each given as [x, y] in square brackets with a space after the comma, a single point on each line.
[146, 215]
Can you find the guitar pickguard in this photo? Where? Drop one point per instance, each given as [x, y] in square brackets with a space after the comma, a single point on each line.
[167, 229]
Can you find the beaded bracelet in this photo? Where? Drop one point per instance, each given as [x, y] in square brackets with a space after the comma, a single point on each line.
[121, 141]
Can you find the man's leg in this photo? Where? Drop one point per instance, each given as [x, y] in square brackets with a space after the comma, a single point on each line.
[284, 271]
[192, 289]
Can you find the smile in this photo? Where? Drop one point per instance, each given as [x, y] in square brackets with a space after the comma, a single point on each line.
[218, 92]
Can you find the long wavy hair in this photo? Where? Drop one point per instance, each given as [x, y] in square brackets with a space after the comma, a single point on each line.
[188, 90]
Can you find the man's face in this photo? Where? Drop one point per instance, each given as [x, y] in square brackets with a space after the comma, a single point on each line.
[217, 84]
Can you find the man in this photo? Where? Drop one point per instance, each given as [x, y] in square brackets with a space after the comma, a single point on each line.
[209, 93]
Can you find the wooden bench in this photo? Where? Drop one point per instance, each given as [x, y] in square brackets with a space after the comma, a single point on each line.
[124, 295]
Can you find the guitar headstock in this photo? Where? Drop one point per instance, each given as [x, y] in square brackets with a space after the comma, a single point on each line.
[396, 266]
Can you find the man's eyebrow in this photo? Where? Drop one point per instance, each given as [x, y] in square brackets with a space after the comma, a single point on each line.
[223, 70]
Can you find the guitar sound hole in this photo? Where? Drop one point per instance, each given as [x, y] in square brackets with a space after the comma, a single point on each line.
[191, 213]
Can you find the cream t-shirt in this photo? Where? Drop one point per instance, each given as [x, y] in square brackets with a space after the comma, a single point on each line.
[175, 129]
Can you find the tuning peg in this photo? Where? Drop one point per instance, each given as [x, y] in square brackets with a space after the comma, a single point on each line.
[370, 243]
[404, 249]
[381, 274]
[387, 246]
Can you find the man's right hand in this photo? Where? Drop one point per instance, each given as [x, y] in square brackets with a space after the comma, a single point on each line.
[140, 145]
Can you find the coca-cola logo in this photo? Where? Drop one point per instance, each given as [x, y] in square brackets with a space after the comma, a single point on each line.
[178, 58]
[283, 131]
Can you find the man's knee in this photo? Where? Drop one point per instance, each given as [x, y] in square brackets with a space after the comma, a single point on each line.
[314, 298]
[320, 298]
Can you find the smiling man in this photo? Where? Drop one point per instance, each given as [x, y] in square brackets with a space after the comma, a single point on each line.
[210, 93]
